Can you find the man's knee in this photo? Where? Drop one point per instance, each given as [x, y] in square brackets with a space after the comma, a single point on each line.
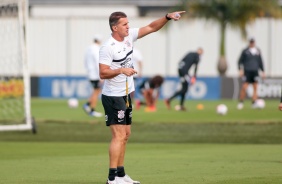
[245, 85]
[121, 138]
[255, 85]
[121, 133]
[128, 133]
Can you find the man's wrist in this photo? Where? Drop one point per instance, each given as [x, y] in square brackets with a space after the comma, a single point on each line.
[167, 17]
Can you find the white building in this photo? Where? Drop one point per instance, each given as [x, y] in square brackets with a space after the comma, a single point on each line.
[60, 30]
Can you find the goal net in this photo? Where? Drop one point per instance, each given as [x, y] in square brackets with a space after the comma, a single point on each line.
[15, 113]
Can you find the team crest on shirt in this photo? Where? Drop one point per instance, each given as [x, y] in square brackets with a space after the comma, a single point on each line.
[121, 114]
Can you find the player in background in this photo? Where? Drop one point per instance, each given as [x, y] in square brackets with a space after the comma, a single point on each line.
[137, 60]
[116, 68]
[190, 59]
[150, 91]
[249, 65]
[91, 62]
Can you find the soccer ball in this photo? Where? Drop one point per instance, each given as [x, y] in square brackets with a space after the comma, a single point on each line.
[221, 109]
[260, 103]
[73, 103]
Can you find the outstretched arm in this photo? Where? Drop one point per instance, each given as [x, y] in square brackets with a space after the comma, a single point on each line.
[159, 23]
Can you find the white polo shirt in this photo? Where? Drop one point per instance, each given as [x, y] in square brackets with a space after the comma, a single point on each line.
[91, 61]
[118, 55]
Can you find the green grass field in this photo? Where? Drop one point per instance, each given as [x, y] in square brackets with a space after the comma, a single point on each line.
[57, 110]
[166, 147]
[86, 163]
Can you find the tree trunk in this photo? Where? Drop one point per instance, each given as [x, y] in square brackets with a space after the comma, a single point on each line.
[222, 66]
[222, 63]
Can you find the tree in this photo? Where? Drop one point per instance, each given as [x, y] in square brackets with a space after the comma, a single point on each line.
[236, 13]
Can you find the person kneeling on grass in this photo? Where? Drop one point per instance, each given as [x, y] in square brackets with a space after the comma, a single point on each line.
[150, 91]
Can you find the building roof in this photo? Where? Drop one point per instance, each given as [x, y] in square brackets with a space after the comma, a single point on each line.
[145, 7]
[105, 2]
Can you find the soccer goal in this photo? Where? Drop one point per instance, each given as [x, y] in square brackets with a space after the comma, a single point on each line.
[15, 110]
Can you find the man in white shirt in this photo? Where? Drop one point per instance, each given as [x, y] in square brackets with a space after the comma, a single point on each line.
[91, 61]
[116, 68]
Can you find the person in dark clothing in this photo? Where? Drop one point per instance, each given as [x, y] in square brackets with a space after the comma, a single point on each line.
[150, 91]
[192, 58]
[250, 63]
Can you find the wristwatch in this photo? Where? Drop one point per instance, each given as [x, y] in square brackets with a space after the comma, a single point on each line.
[167, 18]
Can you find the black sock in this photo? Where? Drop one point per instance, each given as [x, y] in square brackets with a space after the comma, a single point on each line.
[88, 103]
[120, 171]
[112, 174]
[92, 109]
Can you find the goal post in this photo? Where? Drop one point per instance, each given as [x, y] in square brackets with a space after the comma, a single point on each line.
[15, 108]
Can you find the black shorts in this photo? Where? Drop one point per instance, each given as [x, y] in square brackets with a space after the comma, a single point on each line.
[116, 111]
[251, 76]
[95, 84]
